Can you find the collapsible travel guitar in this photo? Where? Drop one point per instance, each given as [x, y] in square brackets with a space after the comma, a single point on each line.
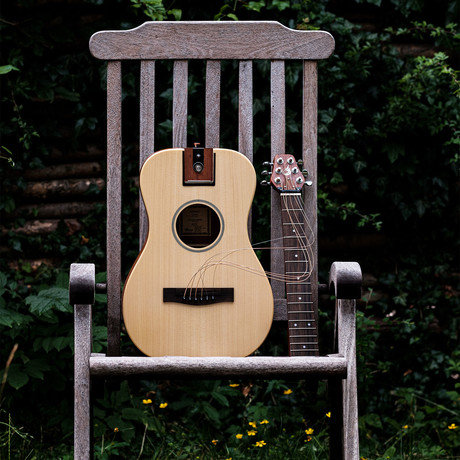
[197, 287]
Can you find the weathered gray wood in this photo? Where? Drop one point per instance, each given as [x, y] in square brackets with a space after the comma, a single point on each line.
[245, 117]
[245, 111]
[82, 284]
[347, 346]
[82, 400]
[212, 104]
[113, 207]
[147, 133]
[346, 279]
[309, 157]
[278, 145]
[218, 367]
[222, 40]
[180, 95]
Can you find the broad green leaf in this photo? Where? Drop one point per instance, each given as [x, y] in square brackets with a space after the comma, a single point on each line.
[49, 299]
[7, 69]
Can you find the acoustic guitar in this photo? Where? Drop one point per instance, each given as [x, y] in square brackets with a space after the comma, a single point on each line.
[287, 179]
[197, 287]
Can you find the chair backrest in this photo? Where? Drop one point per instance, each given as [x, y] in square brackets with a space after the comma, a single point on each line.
[211, 42]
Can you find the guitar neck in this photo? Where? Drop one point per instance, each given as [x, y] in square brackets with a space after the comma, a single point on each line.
[302, 319]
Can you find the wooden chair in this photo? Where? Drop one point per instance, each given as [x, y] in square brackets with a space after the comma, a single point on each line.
[213, 42]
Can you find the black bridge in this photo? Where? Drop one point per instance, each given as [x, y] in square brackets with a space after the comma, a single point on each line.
[198, 296]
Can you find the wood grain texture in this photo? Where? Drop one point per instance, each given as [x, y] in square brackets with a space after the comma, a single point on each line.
[346, 325]
[147, 132]
[180, 100]
[278, 145]
[245, 111]
[113, 207]
[309, 157]
[223, 329]
[221, 367]
[212, 104]
[82, 352]
[222, 40]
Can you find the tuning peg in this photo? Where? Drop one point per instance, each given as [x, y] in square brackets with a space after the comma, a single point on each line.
[264, 183]
[300, 162]
[309, 183]
[305, 172]
[265, 173]
[267, 163]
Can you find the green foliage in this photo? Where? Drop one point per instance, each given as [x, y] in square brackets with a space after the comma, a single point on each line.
[388, 166]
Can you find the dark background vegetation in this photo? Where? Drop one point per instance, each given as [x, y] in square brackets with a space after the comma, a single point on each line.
[389, 124]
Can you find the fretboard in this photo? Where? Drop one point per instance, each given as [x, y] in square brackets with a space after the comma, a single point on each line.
[302, 319]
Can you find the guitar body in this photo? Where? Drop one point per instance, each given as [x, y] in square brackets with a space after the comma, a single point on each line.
[197, 287]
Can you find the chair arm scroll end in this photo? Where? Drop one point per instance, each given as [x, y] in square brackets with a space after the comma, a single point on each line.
[82, 284]
[345, 280]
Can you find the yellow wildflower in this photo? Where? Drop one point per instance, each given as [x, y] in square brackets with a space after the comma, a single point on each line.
[309, 438]
[252, 432]
[234, 385]
[260, 444]
[405, 427]
[116, 429]
[163, 405]
[238, 436]
[215, 441]
[363, 458]
[253, 424]
[309, 431]
[287, 392]
[328, 414]
[264, 422]
[453, 426]
[146, 401]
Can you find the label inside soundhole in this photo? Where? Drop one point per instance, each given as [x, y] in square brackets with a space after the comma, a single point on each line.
[198, 226]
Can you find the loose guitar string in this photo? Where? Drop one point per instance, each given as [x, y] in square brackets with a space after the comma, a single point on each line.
[305, 246]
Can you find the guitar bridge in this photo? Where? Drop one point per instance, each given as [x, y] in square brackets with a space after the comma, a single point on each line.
[198, 296]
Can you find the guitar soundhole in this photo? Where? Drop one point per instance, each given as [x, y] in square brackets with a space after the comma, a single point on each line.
[198, 226]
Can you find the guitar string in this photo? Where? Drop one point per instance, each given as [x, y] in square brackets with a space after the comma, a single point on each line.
[305, 245]
[305, 248]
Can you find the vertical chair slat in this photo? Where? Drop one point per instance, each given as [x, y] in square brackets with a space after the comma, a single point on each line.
[147, 132]
[278, 145]
[309, 149]
[212, 107]
[245, 117]
[245, 113]
[113, 207]
[180, 95]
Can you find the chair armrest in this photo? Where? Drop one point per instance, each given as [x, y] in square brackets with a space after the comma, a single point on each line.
[345, 280]
[82, 284]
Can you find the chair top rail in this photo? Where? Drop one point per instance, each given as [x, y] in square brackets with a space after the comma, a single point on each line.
[211, 40]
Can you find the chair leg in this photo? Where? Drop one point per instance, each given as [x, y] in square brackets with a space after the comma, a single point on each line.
[82, 412]
[349, 390]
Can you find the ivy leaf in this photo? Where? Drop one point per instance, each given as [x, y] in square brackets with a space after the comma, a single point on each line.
[48, 300]
[7, 69]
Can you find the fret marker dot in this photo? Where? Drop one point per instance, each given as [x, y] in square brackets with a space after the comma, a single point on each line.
[304, 346]
[300, 298]
[309, 324]
[295, 324]
[295, 255]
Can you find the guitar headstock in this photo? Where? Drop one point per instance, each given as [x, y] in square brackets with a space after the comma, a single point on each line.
[286, 175]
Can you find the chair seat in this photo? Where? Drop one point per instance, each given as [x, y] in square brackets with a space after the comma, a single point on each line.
[221, 367]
